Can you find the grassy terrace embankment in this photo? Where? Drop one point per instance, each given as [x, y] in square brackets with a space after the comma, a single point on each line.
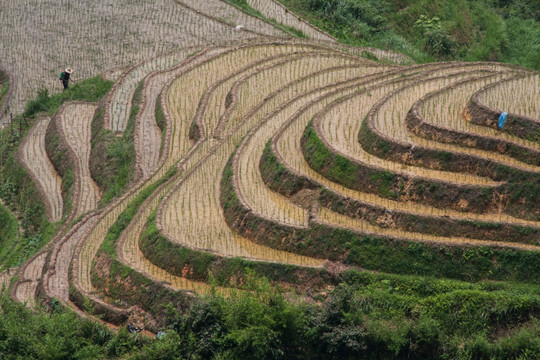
[357, 175]
[392, 255]
[17, 188]
[283, 180]
[112, 160]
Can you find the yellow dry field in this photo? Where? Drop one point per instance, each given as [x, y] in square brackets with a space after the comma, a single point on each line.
[35, 158]
[229, 64]
[215, 101]
[289, 149]
[267, 101]
[195, 206]
[519, 96]
[192, 214]
[264, 202]
[147, 134]
[214, 110]
[128, 245]
[178, 147]
[390, 117]
[182, 100]
[445, 110]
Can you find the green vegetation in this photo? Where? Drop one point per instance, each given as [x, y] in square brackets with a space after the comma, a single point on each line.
[92, 90]
[60, 334]
[17, 190]
[128, 286]
[161, 122]
[4, 88]
[9, 227]
[9, 233]
[112, 160]
[374, 316]
[427, 30]
[368, 316]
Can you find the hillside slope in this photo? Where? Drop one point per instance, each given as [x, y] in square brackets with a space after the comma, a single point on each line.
[467, 30]
[269, 197]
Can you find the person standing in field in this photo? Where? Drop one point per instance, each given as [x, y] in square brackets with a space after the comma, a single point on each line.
[64, 76]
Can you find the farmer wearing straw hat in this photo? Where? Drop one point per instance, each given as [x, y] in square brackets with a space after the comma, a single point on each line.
[64, 76]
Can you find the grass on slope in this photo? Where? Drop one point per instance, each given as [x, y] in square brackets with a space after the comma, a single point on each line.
[17, 190]
[367, 317]
[428, 30]
[112, 160]
[123, 220]
[9, 232]
[92, 90]
[60, 334]
[4, 88]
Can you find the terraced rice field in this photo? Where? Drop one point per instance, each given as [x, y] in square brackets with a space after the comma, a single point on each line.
[229, 14]
[274, 10]
[104, 35]
[518, 96]
[34, 157]
[275, 142]
[75, 121]
[24, 290]
[443, 110]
